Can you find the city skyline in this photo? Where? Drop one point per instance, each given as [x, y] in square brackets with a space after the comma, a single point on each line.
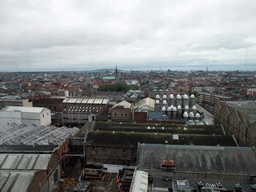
[134, 35]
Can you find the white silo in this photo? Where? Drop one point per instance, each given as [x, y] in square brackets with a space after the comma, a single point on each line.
[165, 104]
[185, 116]
[185, 100]
[174, 112]
[164, 97]
[186, 108]
[157, 106]
[194, 109]
[192, 100]
[191, 115]
[163, 110]
[179, 111]
[198, 116]
[169, 112]
[157, 97]
[172, 101]
[178, 100]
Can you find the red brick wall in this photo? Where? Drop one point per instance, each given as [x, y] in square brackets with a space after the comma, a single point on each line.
[140, 117]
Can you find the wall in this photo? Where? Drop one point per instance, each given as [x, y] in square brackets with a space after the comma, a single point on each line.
[10, 117]
[122, 155]
[121, 114]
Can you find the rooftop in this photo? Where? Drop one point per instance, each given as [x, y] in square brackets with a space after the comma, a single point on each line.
[209, 159]
[14, 134]
[23, 109]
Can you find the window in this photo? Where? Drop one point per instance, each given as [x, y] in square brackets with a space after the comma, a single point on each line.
[55, 177]
[115, 114]
[125, 114]
[43, 115]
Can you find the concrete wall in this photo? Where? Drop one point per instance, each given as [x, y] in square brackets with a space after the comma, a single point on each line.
[10, 117]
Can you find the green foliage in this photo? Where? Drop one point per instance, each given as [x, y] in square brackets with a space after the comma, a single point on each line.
[193, 92]
[117, 87]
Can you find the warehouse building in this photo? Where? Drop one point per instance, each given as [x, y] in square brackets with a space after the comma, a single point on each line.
[38, 116]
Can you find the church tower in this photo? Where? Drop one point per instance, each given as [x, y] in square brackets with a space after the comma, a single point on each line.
[116, 72]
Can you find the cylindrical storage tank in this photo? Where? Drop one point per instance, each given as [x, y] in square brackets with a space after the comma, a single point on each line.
[185, 100]
[169, 112]
[174, 112]
[198, 116]
[157, 106]
[178, 100]
[164, 97]
[192, 100]
[186, 108]
[185, 116]
[194, 109]
[163, 110]
[191, 115]
[165, 104]
[172, 101]
[179, 110]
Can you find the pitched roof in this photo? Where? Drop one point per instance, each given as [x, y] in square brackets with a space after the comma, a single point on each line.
[123, 104]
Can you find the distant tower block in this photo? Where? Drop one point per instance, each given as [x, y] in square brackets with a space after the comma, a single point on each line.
[198, 116]
[165, 104]
[172, 101]
[191, 115]
[157, 106]
[186, 109]
[179, 111]
[192, 100]
[174, 112]
[169, 112]
[185, 100]
[185, 116]
[178, 100]
[163, 110]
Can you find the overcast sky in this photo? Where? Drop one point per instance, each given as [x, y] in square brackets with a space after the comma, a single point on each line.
[132, 34]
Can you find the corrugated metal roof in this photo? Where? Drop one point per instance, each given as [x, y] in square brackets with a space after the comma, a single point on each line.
[211, 159]
[14, 181]
[105, 101]
[147, 104]
[24, 109]
[65, 100]
[14, 134]
[139, 182]
[124, 104]
[24, 161]
[85, 100]
[98, 101]
[90, 101]
[79, 100]
[72, 100]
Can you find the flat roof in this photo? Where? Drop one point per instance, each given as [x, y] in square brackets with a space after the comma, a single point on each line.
[23, 109]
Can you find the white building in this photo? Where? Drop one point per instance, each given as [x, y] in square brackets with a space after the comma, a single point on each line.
[27, 115]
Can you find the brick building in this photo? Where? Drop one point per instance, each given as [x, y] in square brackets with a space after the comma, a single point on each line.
[122, 111]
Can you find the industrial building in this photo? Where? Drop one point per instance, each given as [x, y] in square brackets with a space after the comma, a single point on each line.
[198, 168]
[239, 119]
[14, 101]
[122, 111]
[28, 115]
[181, 107]
[117, 142]
[32, 157]
[78, 111]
